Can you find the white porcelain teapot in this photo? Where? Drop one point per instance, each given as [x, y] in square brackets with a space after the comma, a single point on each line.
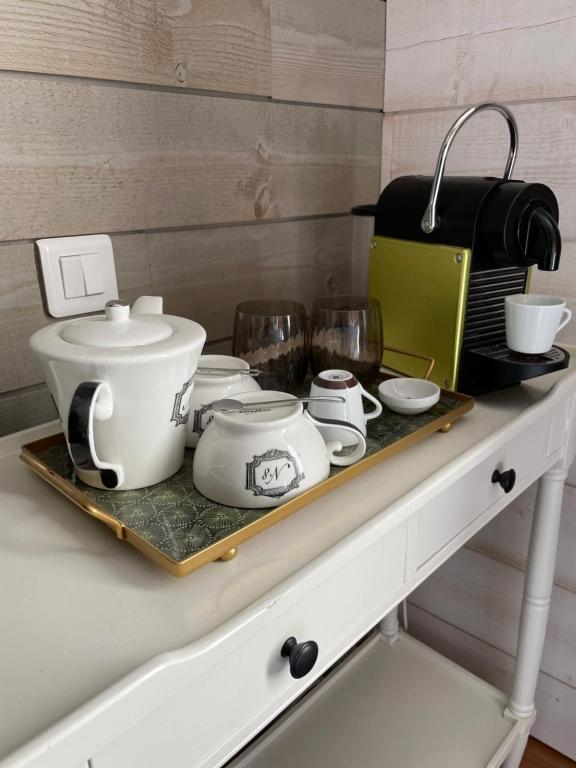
[122, 382]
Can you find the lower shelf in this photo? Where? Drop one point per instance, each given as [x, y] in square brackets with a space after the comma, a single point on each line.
[400, 705]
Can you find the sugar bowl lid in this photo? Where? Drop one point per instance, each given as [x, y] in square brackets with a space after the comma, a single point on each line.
[118, 328]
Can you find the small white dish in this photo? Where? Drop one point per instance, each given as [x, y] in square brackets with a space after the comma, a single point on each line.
[409, 396]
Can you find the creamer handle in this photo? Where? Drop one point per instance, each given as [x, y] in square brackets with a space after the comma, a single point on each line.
[377, 410]
[359, 448]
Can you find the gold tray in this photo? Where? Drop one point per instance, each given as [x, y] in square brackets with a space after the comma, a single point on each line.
[181, 530]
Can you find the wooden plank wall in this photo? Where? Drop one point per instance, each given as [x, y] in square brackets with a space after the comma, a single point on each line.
[441, 57]
[221, 144]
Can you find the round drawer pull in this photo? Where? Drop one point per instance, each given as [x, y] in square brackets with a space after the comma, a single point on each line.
[506, 480]
[302, 656]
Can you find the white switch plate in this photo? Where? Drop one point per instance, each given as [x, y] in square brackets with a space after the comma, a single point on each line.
[79, 274]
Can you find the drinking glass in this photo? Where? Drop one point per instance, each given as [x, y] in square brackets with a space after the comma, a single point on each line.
[271, 335]
[346, 332]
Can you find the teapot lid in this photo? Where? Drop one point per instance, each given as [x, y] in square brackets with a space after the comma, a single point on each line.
[117, 328]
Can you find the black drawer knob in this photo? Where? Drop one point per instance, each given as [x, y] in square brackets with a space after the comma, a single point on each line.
[302, 656]
[506, 480]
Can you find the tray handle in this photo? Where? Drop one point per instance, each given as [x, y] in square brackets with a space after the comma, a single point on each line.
[431, 361]
[71, 492]
[105, 518]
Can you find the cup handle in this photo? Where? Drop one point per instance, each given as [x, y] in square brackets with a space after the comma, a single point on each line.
[566, 317]
[377, 411]
[359, 448]
[91, 400]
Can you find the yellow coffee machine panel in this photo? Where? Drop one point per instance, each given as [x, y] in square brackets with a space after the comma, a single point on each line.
[422, 289]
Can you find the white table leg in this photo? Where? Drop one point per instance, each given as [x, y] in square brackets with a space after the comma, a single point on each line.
[538, 584]
[390, 627]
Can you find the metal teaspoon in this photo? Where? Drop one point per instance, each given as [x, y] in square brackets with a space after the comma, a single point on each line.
[227, 371]
[228, 404]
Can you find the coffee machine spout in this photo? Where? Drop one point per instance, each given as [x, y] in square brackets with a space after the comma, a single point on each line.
[545, 231]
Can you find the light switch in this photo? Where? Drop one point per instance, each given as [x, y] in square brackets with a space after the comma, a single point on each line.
[93, 275]
[78, 273]
[72, 276]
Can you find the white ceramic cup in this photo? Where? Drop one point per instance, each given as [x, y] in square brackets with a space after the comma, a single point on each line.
[533, 320]
[210, 387]
[265, 457]
[343, 384]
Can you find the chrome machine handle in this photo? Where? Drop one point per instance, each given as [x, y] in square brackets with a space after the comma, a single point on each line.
[430, 218]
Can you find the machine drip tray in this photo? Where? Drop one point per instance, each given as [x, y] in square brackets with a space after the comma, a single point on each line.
[494, 366]
[501, 352]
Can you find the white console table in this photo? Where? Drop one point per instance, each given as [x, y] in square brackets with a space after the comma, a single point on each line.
[109, 662]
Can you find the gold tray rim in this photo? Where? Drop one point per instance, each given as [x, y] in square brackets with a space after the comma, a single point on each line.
[222, 547]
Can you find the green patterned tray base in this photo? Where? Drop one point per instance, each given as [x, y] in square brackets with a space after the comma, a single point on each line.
[180, 529]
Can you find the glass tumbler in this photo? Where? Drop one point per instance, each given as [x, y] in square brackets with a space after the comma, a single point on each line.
[272, 335]
[346, 332]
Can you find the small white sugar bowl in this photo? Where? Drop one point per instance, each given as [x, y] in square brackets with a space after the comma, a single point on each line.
[215, 386]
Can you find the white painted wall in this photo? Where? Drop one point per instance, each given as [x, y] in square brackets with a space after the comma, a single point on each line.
[443, 56]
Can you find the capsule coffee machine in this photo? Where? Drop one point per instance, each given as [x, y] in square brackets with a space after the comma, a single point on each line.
[444, 255]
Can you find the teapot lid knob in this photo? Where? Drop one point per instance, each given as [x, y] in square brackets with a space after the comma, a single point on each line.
[117, 311]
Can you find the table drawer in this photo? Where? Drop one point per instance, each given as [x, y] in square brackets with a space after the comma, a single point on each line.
[230, 701]
[399, 706]
[447, 514]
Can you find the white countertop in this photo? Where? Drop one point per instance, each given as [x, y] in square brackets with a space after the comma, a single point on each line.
[80, 609]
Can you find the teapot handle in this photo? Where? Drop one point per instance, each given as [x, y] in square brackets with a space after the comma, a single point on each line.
[91, 399]
[359, 448]
[148, 305]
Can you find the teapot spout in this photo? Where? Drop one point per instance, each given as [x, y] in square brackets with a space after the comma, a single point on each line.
[148, 305]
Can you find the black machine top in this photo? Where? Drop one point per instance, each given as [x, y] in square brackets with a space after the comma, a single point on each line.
[505, 223]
